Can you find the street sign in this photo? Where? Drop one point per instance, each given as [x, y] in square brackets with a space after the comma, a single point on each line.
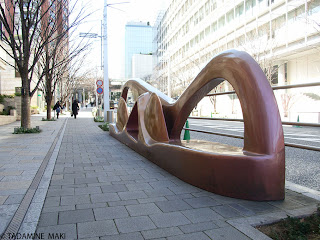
[99, 82]
[99, 90]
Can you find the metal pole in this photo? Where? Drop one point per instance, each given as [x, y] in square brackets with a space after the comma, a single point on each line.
[169, 78]
[105, 63]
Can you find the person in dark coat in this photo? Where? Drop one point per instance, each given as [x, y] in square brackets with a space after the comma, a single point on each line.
[75, 108]
[58, 108]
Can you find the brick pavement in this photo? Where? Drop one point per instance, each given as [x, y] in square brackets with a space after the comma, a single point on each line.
[97, 188]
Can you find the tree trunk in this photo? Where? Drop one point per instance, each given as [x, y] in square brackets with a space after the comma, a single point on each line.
[49, 101]
[49, 108]
[25, 101]
[25, 111]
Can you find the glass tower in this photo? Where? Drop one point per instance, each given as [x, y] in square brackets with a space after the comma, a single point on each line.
[138, 40]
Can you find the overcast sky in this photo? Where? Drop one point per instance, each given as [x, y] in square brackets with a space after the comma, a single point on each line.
[134, 10]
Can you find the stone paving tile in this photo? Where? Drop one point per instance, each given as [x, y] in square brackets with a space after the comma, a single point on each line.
[162, 184]
[86, 180]
[105, 197]
[59, 209]
[110, 213]
[143, 209]
[190, 236]
[226, 211]
[74, 175]
[91, 205]
[138, 186]
[108, 179]
[201, 215]
[6, 213]
[152, 200]
[258, 206]
[96, 229]
[123, 203]
[52, 202]
[77, 216]
[114, 188]
[184, 189]
[73, 200]
[243, 210]
[226, 233]
[172, 219]
[14, 199]
[60, 192]
[3, 199]
[131, 177]
[48, 219]
[160, 192]
[12, 185]
[179, 196]
[161, 233]
[200, 202]
[132, 195]
[198, 227]
[134, 224]
[125, 236]
[173, 206]
[69, 230]
[69, 181]
[287, 204]
[87, 190]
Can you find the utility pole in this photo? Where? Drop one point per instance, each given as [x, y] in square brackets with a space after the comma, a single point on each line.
[106, 101]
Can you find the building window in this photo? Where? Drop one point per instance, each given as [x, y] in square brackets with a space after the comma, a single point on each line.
[250, 4]
[314, 7]
[270, 2]
[214, 27]
[230, 16]
[221, 22]
[296, 14]
[286, 73]
[239, 10]
[274, 75]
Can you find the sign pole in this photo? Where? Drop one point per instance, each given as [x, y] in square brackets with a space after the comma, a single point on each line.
[105, 63]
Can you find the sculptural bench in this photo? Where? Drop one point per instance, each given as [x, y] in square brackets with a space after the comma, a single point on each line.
[153, 129]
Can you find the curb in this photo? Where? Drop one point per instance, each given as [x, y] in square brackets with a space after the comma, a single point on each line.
[247, 225]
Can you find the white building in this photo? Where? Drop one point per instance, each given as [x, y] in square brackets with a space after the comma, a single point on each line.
[141, 66]
[282, 35]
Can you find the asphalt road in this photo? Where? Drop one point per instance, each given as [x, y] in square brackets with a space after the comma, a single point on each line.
[302, 166]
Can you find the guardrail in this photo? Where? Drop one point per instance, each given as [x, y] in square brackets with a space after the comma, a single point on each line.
[306, 147]
[241, 120]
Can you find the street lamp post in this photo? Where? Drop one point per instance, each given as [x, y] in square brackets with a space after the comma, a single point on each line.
[108, 115]
[106, 111]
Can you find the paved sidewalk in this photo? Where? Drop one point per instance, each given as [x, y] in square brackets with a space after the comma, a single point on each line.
[94, 187]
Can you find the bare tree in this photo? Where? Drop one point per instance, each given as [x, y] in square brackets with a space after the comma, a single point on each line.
[30, 27]
[55, 68]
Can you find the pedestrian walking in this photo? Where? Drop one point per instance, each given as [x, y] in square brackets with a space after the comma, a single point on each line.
[75, 108]
[57, 107]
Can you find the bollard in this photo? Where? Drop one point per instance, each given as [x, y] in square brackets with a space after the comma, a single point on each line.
[186, 132]
[110, 116]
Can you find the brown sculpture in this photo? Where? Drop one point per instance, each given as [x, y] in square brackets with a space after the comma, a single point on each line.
[153, 128]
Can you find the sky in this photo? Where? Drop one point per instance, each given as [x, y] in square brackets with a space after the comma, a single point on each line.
[118, 15]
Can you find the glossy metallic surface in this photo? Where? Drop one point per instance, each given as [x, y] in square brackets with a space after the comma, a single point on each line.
[256, 172]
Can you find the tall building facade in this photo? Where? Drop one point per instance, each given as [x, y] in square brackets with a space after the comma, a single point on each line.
[142, 66]
[138, 40]
[282, 35]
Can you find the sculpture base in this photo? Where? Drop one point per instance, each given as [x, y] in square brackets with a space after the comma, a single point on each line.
[218, 168]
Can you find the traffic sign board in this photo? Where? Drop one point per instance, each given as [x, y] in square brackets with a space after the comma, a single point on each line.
[99, 82]
[99, 90]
